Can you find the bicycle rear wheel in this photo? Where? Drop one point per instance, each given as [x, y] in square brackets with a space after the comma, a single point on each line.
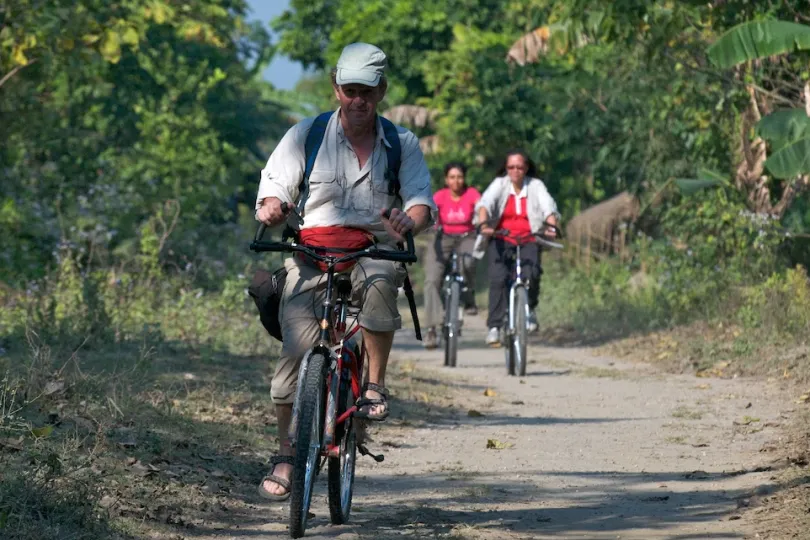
[451, 325]
[308, 443]
[521, 331]
[341, 468]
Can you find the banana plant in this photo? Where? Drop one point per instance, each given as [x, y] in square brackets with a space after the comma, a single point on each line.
[786, 131]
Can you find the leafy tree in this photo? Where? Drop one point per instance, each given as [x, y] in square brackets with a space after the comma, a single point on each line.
[111, 109]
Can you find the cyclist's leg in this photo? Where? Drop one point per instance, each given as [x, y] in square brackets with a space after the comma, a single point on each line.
[465, 250]
[301, 301]
[374, 289]
[499, 272]
[531, 255]
[434, 271]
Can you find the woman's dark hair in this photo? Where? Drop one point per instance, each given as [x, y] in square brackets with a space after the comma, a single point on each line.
[455, 165]
[532, 168]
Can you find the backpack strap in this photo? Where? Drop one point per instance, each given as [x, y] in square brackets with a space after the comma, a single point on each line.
[311, 147]
[394, 156]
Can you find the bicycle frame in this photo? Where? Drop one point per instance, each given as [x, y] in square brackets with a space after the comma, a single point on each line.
[332, 342]
[332, 337]
[454, 274]
[517, 282]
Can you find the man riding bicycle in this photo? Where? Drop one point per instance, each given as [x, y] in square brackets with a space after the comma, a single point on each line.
[343, 206]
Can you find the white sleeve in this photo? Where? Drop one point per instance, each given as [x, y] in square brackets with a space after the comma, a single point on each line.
[414, 176]
[547, 203]
[285, 169]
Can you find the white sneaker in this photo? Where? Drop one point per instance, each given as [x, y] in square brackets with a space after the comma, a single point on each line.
[493, 336]
[531, 324]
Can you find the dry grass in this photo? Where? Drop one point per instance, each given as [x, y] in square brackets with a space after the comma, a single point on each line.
[127, 441]
[685, 413]
[785, 513]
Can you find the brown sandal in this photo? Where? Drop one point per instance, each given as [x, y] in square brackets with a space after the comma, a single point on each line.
[371, 402]
[283, 482]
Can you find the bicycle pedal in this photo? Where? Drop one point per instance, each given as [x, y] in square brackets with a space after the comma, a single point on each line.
[379, 458]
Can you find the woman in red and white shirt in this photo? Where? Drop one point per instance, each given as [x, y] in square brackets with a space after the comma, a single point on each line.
[455, 230]
[517, 201]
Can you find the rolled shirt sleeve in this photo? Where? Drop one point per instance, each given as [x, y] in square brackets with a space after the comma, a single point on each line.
[414, 176]
[490, 200]
[285, 169]
[546, 202]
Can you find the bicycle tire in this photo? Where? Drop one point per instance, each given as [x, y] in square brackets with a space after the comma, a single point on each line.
[451, 325]
[521, 331]
[310, 426]
[508, 350]
[341, 469]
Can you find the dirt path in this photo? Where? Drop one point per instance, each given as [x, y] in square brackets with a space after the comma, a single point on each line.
[591, 448]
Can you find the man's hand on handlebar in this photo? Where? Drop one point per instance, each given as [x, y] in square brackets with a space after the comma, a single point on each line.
[397, 223]
[272, 212]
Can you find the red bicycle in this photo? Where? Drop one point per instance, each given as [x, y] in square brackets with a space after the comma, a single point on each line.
[323, 428]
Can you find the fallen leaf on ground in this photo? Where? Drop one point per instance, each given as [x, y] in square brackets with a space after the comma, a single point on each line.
[13, 444]
[53, 387]
[107, 501]
[518, 402]
[475, 414]
[703, 386]
[804, 398]
[41, 432]
[746, 421]
[495, 444]
[142, 469]
[489, 392]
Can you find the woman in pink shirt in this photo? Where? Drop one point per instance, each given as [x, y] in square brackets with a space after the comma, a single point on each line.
[454, 230]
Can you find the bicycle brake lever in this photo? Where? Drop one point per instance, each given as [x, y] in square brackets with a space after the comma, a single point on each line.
[290, 209]
[379, 458]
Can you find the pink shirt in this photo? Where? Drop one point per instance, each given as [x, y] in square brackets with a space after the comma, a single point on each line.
[455, 217]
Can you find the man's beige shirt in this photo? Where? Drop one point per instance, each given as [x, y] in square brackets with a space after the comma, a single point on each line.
[340, 192]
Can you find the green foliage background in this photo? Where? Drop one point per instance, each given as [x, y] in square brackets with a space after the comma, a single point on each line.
[133, 132]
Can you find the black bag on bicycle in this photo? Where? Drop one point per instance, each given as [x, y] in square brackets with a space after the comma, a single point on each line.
[266, 289]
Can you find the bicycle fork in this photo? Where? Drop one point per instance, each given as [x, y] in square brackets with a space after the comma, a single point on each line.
[515, 284]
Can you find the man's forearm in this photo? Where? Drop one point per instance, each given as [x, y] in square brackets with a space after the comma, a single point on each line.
[420, 214]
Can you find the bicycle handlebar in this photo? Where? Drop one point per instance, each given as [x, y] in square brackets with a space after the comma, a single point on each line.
[373, 252]
[523, 238]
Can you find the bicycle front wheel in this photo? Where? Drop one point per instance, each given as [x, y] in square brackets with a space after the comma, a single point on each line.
[341, 468]
[521, 331]
[308, 443]
[451, 325]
